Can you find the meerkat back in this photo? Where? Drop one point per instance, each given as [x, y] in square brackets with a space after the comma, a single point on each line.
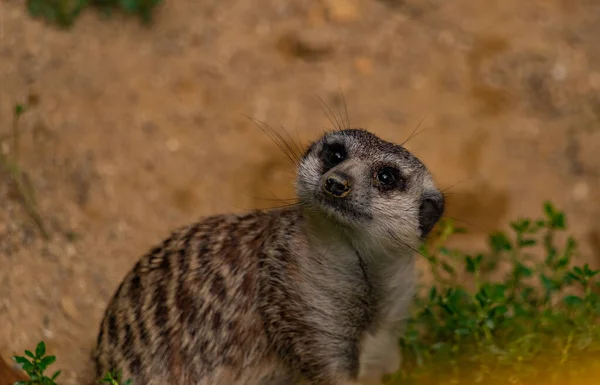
[186, 313]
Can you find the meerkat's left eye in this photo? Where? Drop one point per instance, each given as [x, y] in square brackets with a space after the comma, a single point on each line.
[333, 154]
[389, 178]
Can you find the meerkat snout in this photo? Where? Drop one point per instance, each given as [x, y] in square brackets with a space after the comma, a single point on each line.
[337, 185]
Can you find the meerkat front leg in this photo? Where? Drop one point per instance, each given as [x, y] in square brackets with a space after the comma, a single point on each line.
[324, 359]
[380, 356]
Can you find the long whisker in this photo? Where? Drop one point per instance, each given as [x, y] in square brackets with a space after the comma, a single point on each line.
[290, 200]
[330, 115]
[478, 228]
[299, 150]
[456, 184]
[414, 133]
[404, 244]
[447, 194]
[339, 114]
[345, 108]
[298, 136]
[283, 145]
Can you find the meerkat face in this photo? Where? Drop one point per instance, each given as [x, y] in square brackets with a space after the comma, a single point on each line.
[368, 184]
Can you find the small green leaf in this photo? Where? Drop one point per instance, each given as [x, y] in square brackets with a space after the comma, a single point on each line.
[499, 242]
[526, 242]
[519, 310]
[40, 349]
[129, 5]
[29, 354]
[47, 361]
[573, 300]
[19, 110]
[570, 277]
[547, 282]
[56, 374]
[521, 226]
[433, 293]
[21, 360]
[448, 268]
[28, 367]
[561, 263]
[549, 209]
[589, 272]
[559, 221]
[556, 219]
[522, 271]
[471, 264]
[498, 311]
[447, 308]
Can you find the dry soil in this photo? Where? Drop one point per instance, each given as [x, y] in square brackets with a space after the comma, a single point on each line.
[138, 130]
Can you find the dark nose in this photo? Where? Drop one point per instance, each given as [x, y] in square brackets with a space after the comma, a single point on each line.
[337, 185]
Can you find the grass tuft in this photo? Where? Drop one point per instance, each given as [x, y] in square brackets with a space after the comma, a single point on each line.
[505, 314]
[63, 13]
[10, 163]
[36, 364]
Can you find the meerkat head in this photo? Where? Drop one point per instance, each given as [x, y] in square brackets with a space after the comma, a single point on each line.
[370, 185]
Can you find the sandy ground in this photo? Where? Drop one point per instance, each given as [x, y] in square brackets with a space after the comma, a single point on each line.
[138, 130]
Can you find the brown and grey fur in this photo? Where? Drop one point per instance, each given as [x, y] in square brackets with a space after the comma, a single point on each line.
[313, 293]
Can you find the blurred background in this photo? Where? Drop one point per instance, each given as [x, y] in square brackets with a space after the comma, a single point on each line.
[131, 130]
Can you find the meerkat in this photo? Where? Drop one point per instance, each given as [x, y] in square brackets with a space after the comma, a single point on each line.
[313, 293]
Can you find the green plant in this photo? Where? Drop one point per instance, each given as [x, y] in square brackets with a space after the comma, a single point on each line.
[114, 377]
[64, 12]
[60, 12]
[35, 365]
[503, 313]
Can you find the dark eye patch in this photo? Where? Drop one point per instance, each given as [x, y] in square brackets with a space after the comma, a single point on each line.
[389, 178]
[333, 154]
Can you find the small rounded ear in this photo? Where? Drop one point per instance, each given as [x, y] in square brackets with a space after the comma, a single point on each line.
[430, 211]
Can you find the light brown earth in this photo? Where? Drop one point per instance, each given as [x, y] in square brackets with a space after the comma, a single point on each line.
[139, 130]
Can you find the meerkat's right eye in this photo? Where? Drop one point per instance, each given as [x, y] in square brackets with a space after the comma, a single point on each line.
[333, 154]
[390, 178]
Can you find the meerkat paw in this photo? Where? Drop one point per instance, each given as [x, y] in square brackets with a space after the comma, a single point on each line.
[375, 367]
[372, 379]
[382, 358]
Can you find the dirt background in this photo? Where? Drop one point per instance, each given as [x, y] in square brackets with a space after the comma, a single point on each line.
[137, 130]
